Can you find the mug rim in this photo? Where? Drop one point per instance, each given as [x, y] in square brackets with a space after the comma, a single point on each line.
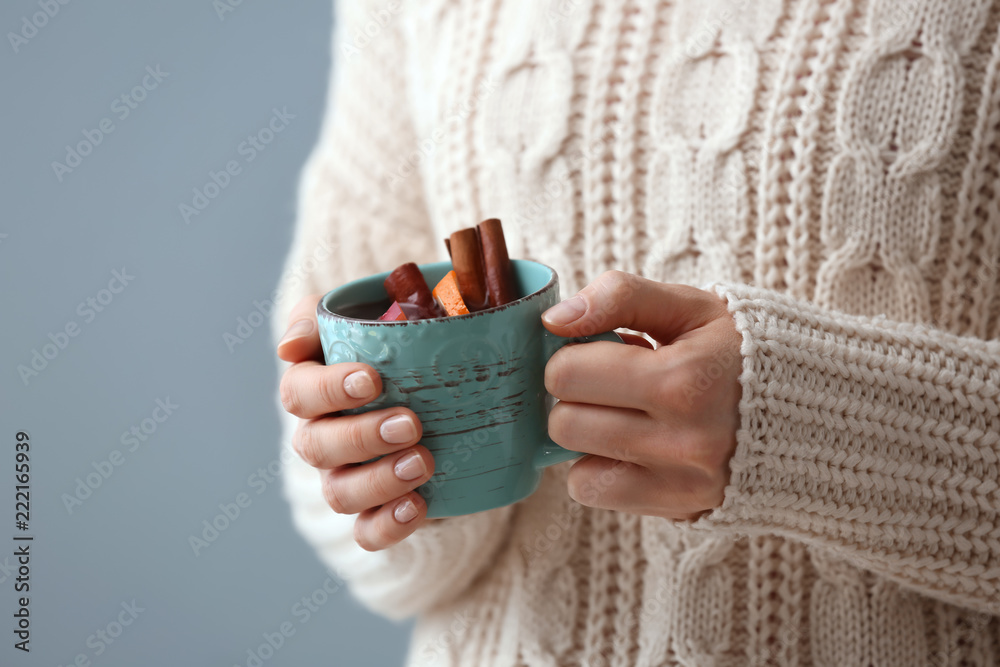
[324, 311]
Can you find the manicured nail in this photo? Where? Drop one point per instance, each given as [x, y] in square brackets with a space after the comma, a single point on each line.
[297, 330]
[359, 385]
[566, 312]
[405, 511]
[398, 430]
[410, 467]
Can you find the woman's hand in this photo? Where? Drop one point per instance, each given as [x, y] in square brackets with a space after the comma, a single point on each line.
[382, 492]
[659, 426]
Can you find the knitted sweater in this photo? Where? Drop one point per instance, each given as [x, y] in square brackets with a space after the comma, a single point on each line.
[831, 167]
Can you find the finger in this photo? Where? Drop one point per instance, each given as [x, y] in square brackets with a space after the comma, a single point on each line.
[331, 442]
[616, 433]
[597, 481]
[353, 489]
[610, 484]
[309, 389]
[381, 527]
[301, 340]
[622, 300]
[604, 373]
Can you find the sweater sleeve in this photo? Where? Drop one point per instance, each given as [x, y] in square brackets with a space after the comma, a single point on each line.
[355, 219]
[876, 440]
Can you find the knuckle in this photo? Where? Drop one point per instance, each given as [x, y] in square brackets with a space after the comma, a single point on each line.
[700, 454]
[676, 392]
[376, 488]
[581, 485]
[329, 393]
[333, 494]
[574, 487]
[607, 294]
[559, 423]
[617, 284]
[698, 457]
[361, 537]
[306, 445]
[289, 394]
[661, 394]
[305, 306]
[384, 533]
[352, 439]
[709, 459]
[555, 375]
[627, 450]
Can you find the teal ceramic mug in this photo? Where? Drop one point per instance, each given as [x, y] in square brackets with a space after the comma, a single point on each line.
[476, 382]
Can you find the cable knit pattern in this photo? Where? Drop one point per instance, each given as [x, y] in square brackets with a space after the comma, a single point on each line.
[832, 169]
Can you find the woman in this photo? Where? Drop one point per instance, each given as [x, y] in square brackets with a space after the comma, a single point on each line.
[805, 471]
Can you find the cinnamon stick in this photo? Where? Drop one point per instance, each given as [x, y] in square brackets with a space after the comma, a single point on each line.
[467, 260]
[497, 266]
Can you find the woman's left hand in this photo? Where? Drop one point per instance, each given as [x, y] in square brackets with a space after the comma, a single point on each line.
[658, 426]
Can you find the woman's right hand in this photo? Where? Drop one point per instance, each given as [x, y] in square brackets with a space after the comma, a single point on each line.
[382, 492]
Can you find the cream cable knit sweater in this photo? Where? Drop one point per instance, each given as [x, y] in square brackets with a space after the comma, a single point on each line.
[832, 165]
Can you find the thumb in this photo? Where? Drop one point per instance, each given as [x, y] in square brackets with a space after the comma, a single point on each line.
[617, 299]
[301, 340]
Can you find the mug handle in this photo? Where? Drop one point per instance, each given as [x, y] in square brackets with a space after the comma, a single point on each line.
[549, 453]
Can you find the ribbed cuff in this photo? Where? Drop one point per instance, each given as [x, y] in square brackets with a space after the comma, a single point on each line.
[876, 437]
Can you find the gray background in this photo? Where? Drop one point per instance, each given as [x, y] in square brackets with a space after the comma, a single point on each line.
[161, 337]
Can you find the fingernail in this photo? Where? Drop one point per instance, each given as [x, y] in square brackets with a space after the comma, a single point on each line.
[297, 330]
[405, 511]
[410, 467]
[398, 430]
[566, 312]
[359, 385]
